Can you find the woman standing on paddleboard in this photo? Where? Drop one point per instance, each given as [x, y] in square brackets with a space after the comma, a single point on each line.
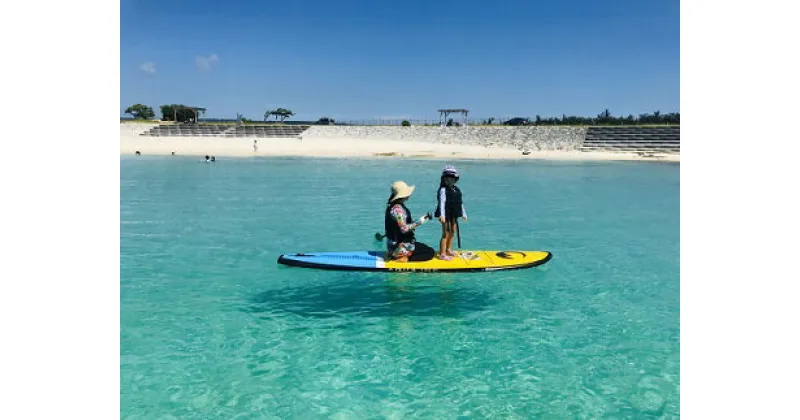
[399, 226]
[450, 207]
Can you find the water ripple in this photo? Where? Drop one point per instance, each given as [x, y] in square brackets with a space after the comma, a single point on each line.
[211, 327]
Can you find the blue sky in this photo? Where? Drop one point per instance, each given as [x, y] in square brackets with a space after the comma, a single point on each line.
[373, 59]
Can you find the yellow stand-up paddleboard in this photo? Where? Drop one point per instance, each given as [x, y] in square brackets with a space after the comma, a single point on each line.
[465, 261]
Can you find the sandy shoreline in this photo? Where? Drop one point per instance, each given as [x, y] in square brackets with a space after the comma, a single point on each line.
[131, 141]
[235, 147]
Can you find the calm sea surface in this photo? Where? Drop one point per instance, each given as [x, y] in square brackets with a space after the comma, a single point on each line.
[213, 328]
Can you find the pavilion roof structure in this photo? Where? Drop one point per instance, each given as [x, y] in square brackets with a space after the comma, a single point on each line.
[445, 112]
[195, 109]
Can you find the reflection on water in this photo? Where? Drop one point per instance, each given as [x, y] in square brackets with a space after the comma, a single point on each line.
[395, 295]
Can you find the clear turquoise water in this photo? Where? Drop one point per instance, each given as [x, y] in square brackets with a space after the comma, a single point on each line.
[213, 328]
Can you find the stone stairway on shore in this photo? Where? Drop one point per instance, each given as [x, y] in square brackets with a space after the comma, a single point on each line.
[665, 139]
[226, 130]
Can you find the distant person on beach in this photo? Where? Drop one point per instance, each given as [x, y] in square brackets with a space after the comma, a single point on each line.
[449, 208]
[208, 159]
[213, 159]
[255, 145]
[401, 243]
[138, 153]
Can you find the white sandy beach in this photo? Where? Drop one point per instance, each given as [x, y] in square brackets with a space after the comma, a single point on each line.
[131, 141]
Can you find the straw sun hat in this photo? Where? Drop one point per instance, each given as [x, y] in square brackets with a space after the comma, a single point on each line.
[401, 190]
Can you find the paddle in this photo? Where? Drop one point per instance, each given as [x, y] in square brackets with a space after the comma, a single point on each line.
[458, 234]
[379, 236]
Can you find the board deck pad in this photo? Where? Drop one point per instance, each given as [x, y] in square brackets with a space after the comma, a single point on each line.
[375, 261]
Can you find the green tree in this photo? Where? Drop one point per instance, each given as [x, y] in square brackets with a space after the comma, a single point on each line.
[140, 112]
[281, 113]
[604, 117]
[241, 119]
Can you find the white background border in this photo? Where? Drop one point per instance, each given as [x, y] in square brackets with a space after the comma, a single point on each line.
[59, 173]
[739, 211]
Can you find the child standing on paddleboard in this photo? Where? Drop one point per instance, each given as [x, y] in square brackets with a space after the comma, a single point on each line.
[450, 207]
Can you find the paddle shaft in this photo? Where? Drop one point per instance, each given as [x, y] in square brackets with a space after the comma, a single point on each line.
[458, 233]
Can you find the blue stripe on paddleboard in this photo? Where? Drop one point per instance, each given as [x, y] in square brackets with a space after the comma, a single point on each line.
[357, 259]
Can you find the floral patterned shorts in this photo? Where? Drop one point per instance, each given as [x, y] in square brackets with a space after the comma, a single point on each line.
[403, 249]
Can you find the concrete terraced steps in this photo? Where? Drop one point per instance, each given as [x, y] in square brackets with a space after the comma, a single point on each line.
[222, 130]
[633, 139]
